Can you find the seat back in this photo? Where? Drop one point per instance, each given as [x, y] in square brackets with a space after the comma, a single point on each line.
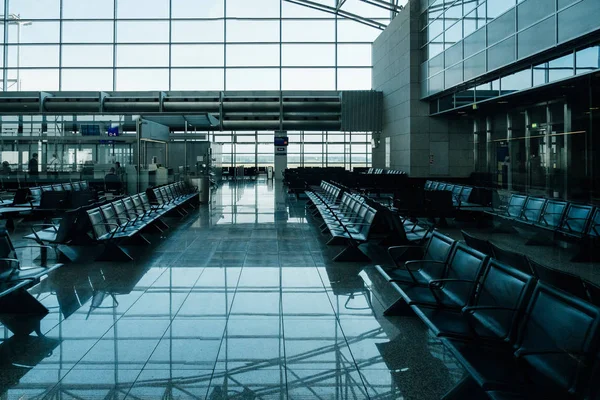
[67, 186]
[594, 227]
[145, 201]
[512, 258]
[465, 194]
[562, 280]
[593, 292]
[434, 185]
[109, 214]
[120, 212]
[456, 192]
[138, 204]
[36, 194]
[553, 213]
[84, 185]
[503, 292]
[165, 194]
[478, 244]
[7, 250]
[54, 200]
[465, 265]
[449, 187]
[66, 227]
[157, 196]
[532, 210]
[47, 188]
[427, 185]
[441, 186]
[558, 340]
[57, 187]
[515, 205]
[368, 221]
[576, 219]
[99, 226]
[76, 186]
[439, 247]
[130, 208]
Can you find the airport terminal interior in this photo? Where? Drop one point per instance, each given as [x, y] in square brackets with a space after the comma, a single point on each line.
[300, 199]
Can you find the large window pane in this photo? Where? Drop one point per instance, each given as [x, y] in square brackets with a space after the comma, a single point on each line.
[88, 32]
[34, 79]
[501, 27]
[529, 12]
[197, 31]
[197, 9]
[87, 79]
[33, 56]
[308, 31]
[142, 31]
[197, 55]
[350, 31]
[364, 9]
[354, 55]
[142, 55]
[197, 79]
[561, 68]
[309, 55]
[254, 8]
[537, 38]
[474, 66]
[252, 31]
[501, 54]
[87, 56]
[314, 78]
[588, 59]
[37, 32]
[354, 79]
[35, 9]
[515, 82]
[88, 9]
[252, 79]
[149, 9]
[253, 55]
[142, 79]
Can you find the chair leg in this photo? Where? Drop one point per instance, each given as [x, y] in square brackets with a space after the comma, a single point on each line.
[399, 307]
[351, 253]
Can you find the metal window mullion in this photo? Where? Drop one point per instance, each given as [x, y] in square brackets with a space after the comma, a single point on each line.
[115, 53]
[60, 45]
[224, 45]
[170, 40]
[5, 48]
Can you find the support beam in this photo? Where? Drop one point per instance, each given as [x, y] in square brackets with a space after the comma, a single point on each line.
[336, 11]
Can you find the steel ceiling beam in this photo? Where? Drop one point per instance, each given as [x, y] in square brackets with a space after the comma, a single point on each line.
[342, 13]
[387, 5]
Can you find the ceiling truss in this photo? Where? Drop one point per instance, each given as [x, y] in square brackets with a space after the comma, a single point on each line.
[392, 6]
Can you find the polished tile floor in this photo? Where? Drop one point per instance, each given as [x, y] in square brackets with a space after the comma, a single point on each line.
[238, 300]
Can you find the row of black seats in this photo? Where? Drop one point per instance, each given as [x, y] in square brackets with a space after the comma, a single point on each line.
[517, 336]
[463, 196]
[547, 220]
[353, 219]
[115, 224]
[381, 171]
[32, 196]
[573, 284]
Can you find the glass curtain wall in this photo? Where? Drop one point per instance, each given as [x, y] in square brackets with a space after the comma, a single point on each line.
[184, 45]
[305, 149]
[546, 149]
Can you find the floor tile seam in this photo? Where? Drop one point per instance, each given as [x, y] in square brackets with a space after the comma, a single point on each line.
[227, 317]
[163, 335]
[107, 330]
[337, 317]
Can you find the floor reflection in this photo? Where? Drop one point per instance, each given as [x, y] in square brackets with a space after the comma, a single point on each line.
[237, 301]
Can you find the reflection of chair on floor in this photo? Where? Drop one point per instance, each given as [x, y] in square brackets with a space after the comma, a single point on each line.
[97, 300]
[408, 357]
[349, 284]
[19, 354]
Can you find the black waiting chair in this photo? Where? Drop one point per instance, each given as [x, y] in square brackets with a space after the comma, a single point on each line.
[482, 245]
[438, 249]
[493, 312]
[562, 280]
[512, 258]
[11, 269]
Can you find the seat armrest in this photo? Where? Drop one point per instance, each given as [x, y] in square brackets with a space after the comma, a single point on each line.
[472, 309]
[12, 260]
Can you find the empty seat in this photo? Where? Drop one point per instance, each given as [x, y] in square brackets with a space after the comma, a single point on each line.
[478, 244]
[562, 280]
[512, 258]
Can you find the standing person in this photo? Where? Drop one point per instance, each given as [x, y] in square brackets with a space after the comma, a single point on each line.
[32, 167]
[119, 171]
[52, 167]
